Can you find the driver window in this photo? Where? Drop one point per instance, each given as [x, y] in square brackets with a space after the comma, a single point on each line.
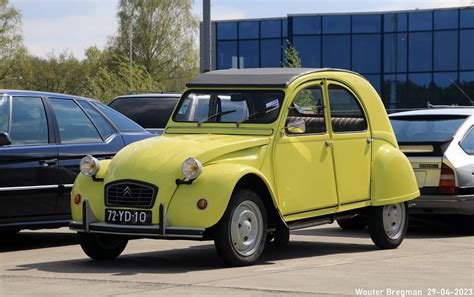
[308, 106]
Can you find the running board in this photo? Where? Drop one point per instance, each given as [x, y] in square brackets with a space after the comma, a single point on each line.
[320, 220]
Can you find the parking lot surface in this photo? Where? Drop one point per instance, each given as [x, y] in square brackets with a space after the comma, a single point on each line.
[321, 261]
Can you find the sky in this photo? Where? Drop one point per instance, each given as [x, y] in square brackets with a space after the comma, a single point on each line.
[57, 26]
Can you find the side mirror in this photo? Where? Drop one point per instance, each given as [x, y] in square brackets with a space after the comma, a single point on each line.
[5, 139]
[296, 126]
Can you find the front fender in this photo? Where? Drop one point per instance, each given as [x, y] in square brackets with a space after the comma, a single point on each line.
[393, 179]
[215, 184]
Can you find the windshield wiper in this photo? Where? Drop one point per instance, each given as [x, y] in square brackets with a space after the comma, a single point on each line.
[216, 115]
[256, 115]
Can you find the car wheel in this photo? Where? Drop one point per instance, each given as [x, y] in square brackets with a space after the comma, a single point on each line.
[242, 231]
[279, 238]
[102, 246]
[388, 225]
[355, 223]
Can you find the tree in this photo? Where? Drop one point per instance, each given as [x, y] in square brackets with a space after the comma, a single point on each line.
[162, 34]
[10, 38]
[292, 58]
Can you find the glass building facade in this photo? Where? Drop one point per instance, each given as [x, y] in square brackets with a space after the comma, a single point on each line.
[410, 57]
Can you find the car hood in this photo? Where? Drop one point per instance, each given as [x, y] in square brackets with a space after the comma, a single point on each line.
[160, 158]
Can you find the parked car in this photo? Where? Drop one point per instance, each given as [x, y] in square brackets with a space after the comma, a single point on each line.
[440, 146]
[248, 155]
[43, 137]
[151, 111]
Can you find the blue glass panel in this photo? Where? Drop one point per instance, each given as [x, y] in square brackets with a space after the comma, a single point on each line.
[444, 88]
[446, 19]
[270, 28]
[395, 52]
[284, 28]
[466, 82]
[421, 21]
[306, 25]
[248, 30]
[467, 18]
[226, 54]
[309, 50]
[226, 30]
[395, 91]
[248, 51]
[419, 90]
[445, 50]
[395, 22]
[337, 24]
[467, 50]
[420, 51]
[366, 53]
[270, 52]
[337, 51]
[374, 81]
[366, 23]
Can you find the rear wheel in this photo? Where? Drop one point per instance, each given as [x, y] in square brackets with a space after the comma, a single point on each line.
[102, 246]
[388, 225]
[355, 223]
[242, 231]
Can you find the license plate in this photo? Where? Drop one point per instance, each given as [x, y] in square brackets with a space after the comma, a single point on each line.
[125, 216]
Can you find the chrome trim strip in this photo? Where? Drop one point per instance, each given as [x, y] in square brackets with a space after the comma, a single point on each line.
[68, 185]
[28, 188]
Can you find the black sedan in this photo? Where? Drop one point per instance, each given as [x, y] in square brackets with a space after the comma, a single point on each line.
[43, 137]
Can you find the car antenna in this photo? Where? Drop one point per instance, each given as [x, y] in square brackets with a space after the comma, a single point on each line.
[462, 91]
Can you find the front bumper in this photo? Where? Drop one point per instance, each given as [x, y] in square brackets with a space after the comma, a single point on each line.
[444, 204]
[89, 224]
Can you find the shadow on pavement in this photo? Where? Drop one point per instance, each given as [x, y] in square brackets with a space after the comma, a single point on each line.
[27, 240]
[197, 258]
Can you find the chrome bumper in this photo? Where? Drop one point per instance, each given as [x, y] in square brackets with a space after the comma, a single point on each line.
[444, 204]
[89, 224]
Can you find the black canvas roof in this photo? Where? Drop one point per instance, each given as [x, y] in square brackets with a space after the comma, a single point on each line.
[251, 77]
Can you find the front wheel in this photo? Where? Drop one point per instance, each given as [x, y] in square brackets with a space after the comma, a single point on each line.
[242, 231]
[388, 225]
[102, 246]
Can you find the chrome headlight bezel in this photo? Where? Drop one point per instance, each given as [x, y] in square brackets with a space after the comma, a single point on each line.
[89, 166]
[191, 168]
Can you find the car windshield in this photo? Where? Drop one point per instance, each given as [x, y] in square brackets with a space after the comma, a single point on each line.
[4, 113]
[426, 128]
[257, 106]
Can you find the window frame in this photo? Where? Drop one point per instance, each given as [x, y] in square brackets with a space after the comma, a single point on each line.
[358, 101]
[469, 131]
[302, 87]
[102, 115]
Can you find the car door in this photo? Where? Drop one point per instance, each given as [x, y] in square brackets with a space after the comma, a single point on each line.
[352, 144]
[303, 162]
[82, 131]
[28, 166]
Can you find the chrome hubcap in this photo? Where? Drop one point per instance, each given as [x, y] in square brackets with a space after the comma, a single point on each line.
[394, 220]
[246, 228]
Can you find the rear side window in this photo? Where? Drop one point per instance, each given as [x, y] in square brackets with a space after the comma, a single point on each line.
[467, 143]
[148, 112]
[346, 113]
[74, 125]
[122, 122]
[4, 113]
[104, 127]
[28, 123]
[426, 128]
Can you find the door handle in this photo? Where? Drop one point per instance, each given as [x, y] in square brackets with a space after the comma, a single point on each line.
[48, 162]
[370, 140]
[328, 143]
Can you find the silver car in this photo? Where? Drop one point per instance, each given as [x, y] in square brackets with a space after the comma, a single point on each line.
[440, 146]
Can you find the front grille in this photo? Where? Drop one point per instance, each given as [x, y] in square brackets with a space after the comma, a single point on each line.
[127, 193]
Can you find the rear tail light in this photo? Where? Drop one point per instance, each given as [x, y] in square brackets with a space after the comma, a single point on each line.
[447, 181]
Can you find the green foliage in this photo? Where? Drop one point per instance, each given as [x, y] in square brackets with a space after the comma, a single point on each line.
[10, 38]
[163, 39]
[292, 58]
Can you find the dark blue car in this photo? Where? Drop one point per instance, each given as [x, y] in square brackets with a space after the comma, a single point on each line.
[43, 137]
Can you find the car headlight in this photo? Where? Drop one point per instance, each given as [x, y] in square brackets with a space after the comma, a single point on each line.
[89, 165]
[191, 168]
